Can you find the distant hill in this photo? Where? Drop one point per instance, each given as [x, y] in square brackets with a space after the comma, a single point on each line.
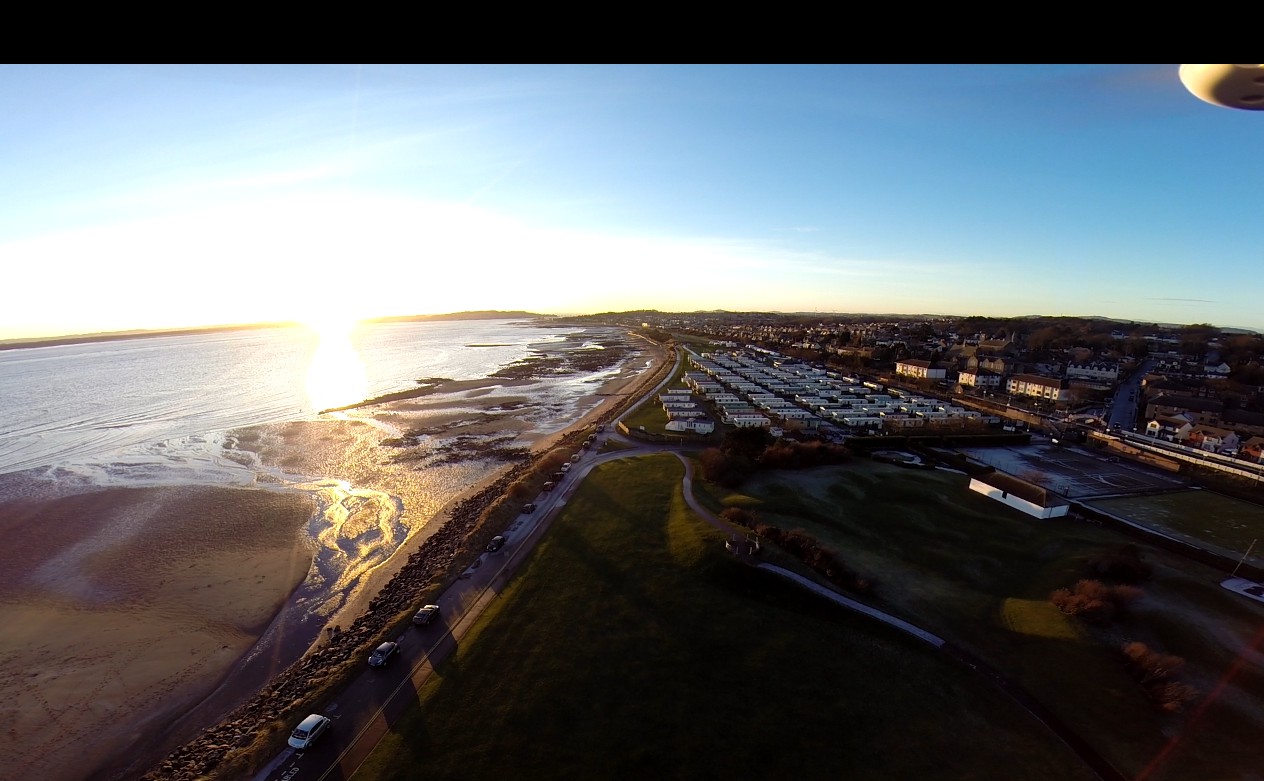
[116, 336]
[482, 314]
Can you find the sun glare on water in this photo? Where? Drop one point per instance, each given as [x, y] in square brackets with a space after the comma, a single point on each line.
[336, 376]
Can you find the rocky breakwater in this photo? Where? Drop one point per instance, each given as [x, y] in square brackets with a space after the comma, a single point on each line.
[273, 707]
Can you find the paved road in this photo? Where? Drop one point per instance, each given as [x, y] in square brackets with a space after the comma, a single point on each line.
[1128, 399]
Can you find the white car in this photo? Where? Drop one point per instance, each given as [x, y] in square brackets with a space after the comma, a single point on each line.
[312, 727]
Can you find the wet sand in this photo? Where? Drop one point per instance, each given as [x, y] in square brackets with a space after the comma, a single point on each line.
[129, 611]
[122, 608]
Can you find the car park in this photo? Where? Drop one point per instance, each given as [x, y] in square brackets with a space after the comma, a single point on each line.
[308, 730]
[383, 653]
[496, 544]
[426, 615]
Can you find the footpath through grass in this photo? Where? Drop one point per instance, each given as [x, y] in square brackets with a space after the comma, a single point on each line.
[632, 646]
[980, 574]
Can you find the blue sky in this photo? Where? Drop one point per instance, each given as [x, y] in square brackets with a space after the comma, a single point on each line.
[166, 196]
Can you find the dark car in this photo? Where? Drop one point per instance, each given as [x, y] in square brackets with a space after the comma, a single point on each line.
[547, 486]
[426, 615]
[529, 507]
[496, 544]
[382, 654]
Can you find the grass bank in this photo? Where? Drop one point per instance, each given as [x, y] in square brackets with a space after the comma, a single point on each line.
[980, 574]
[631, 646]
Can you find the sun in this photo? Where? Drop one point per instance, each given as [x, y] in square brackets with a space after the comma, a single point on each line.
[337, 375]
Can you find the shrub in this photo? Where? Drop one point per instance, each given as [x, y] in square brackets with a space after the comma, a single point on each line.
[821, 560]
[785, 454]
[748, 441]
[1155, 671]
[519, 490]
[1094, 601]
[739, 517]
[722, 468]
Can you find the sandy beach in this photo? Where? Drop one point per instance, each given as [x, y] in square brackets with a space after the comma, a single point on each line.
[118, 625]
[129, 611]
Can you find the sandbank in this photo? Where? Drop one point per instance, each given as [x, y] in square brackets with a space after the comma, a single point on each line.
[123, 608]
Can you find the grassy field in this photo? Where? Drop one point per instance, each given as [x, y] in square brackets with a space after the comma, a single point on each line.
[1214, 520]
[631, 646]
[979, 573]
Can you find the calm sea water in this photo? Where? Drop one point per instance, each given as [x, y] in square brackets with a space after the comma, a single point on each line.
[105, 409]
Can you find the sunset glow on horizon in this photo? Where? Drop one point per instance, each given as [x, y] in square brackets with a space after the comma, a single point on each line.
[151, 197]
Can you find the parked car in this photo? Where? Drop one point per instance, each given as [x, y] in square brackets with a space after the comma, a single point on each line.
[382, 654]
[547, 486]
[426, 615]
[308, 730]
[496, 544]
[529, 507]
[566, 468]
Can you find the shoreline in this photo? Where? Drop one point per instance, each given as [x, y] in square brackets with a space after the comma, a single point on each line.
[152, 717]
[609, 394]
[407, 576]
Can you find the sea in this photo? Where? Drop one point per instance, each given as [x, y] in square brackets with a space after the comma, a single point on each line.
[160, 412]
[170, 411]
[155, 410]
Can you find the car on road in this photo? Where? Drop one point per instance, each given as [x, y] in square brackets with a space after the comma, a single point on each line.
[308, 730]
[383, 653]
[496, 544]
[547, 486]
[426, 615]
[565, 468]
[529, 507]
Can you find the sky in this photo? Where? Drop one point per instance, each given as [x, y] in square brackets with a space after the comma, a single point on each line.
[141, 197]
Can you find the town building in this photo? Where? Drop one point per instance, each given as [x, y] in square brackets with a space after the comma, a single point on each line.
[1039, 387]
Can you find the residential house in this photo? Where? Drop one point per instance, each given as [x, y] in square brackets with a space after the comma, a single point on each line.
[919, 369]
[1253, 450]
[979, 378]
[1174, 428]
[1204, 412]
[1039, 387]
[1100, 371]
[1212, 439]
